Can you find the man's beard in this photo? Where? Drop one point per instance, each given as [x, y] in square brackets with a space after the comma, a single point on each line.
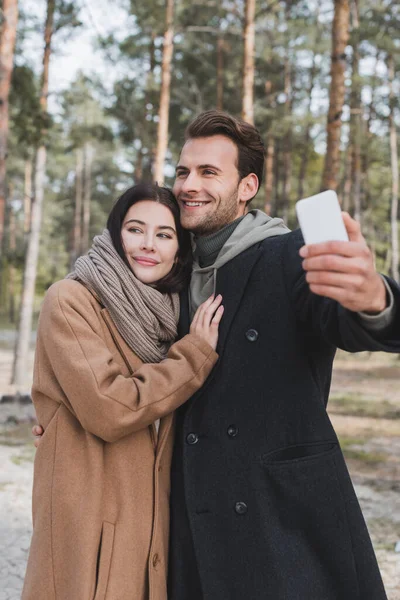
[225, 214]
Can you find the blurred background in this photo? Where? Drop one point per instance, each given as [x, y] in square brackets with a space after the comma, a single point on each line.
[96, 95]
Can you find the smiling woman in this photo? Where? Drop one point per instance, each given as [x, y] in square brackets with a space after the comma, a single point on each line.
[107, 378]
[150, 240]
[146, 232]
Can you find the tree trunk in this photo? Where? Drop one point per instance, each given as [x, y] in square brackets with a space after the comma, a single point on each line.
[307, 133]
[163, 115]
[77, 231]
[340, 36]
[138, 169]
[276, 204]
[269, 174]
[345, 200]
[220, 72]
[87, 194]
[7, 46]
[248, 62]
[368, 135]
[287, 141]
[28, 292]
[27, 195]
[12, 271]
[355, 118]
[395, 173]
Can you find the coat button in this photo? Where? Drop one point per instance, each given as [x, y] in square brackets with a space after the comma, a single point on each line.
[240, 508]
[232, 431]
[192, 438]
[252, 335]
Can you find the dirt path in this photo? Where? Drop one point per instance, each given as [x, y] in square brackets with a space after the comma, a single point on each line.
[365, 392]
[364, 409]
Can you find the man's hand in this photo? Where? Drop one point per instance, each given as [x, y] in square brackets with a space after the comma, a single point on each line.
[345, 271]
[37, 431]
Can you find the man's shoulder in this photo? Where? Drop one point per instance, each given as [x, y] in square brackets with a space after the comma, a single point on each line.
[290, 242]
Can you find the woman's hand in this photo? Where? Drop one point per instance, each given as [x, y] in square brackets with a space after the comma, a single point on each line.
[206, 320]
[37, 431]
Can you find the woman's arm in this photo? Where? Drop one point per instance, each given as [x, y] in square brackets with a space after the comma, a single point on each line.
[92, 386]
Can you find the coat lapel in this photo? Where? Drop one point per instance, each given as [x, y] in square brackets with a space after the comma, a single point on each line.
[232, 280]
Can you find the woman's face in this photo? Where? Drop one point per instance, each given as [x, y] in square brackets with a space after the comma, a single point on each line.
[150, 240]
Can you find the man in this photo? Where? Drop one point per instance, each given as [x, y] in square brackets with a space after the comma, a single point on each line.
[262, 506]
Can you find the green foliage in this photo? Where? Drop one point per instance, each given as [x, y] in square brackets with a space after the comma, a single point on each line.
[122, 126]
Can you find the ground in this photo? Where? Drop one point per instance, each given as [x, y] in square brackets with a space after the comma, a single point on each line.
[364, 408]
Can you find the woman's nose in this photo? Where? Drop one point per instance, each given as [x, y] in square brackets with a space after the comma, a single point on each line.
[147, 243]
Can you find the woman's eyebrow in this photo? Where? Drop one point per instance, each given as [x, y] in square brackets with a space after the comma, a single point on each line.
[143, 223]
[166, 227]
[135, 221]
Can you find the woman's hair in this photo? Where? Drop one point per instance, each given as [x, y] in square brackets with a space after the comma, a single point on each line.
[179, 275]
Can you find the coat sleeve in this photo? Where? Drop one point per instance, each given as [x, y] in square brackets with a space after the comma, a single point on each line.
[106, 402]
[327, 318]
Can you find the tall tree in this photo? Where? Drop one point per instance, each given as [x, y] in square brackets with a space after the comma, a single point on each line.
[248, 61]
[220, 71]
[163, 115]
[28, 293]
[340, 37]
[77, 228]
[7, 46]
[395, 172]
[355, 115]
[88, 151]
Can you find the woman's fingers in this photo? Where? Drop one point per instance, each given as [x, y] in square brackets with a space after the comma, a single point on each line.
[198, 316]
[210, 310]
[207, 318]
[218, 316]
[37, 431]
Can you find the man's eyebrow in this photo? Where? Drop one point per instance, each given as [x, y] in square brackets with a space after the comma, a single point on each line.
[209, 167]
[143, 223]
[183, 168]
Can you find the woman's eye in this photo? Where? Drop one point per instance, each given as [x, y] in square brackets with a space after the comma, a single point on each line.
[134, 230]
[164, 236]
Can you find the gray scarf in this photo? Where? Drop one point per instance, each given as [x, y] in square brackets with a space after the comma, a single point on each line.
[253, 228]
[146, 318]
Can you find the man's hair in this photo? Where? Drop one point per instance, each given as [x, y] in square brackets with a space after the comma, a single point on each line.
[251, 149]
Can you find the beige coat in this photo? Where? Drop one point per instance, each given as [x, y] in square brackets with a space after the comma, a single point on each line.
[101, 485]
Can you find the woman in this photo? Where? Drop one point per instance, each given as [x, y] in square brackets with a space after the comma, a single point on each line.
[101, 485]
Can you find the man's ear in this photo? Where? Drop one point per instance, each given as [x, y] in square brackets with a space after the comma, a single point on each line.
[248, 187]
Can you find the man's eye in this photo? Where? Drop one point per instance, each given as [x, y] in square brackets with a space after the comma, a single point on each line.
[181, 174]
[208, 172]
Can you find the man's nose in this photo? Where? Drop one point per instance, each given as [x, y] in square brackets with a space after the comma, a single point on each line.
[191, 183]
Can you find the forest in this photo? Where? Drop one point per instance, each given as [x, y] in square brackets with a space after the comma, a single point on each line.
[319, 79]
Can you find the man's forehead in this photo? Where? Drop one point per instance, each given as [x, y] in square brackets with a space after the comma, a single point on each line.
[207, 150]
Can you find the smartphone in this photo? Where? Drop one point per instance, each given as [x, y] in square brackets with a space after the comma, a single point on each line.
[320, 218]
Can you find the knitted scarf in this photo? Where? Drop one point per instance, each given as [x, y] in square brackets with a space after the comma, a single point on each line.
[146, 318]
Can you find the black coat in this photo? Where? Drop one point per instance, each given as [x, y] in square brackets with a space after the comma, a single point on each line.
[262, 504]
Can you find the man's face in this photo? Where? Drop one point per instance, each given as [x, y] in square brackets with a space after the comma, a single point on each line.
[207, 184]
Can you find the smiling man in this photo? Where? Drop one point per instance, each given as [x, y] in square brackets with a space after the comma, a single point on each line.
[262, 506]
